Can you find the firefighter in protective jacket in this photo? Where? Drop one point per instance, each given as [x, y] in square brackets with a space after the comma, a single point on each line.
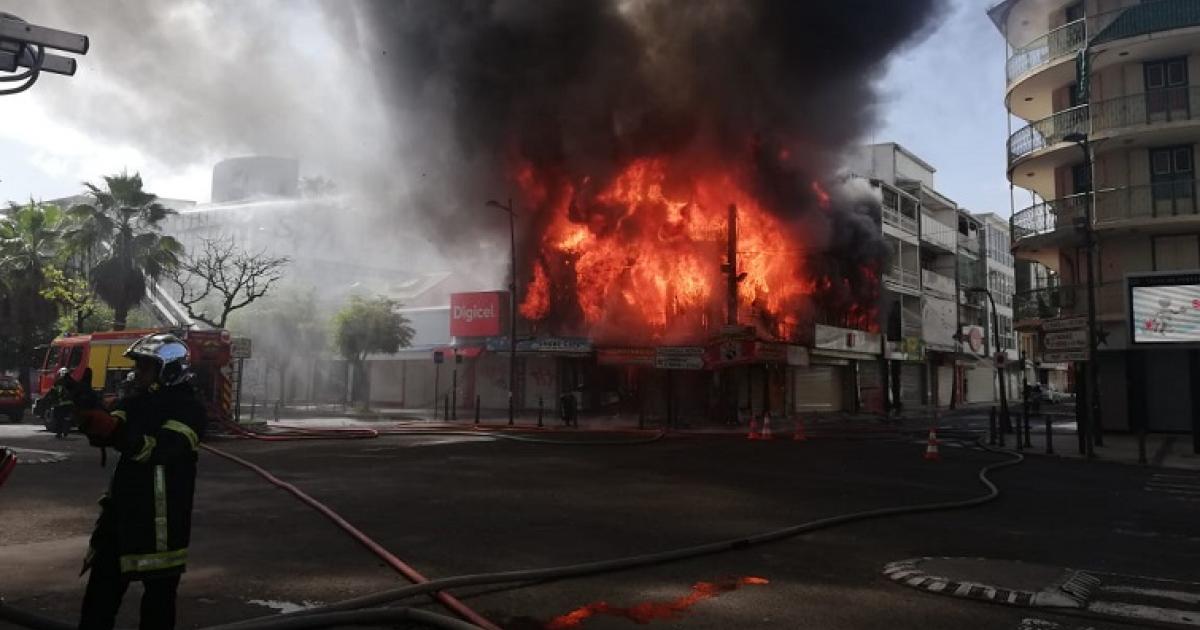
[146, 515]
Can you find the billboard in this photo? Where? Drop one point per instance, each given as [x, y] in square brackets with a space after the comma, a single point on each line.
[477, 314]
[1164, 308]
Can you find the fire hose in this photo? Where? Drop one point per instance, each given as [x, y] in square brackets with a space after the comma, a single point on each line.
[366, 609]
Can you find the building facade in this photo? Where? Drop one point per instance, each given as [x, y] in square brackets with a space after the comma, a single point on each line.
[939, 347]
[1104, 127]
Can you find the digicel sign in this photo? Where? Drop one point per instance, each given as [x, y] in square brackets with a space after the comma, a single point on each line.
[477, 314]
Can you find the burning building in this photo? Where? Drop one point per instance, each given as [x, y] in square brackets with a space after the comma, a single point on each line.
[673, 170]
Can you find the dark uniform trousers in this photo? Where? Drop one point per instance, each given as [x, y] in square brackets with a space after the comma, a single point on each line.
[106, 586]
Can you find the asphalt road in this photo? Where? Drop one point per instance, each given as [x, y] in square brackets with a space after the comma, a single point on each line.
[448, 507]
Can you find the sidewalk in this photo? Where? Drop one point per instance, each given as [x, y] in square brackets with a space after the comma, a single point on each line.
[1162, 450]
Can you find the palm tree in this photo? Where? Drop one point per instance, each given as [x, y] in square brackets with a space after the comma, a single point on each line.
[30, 242]
[118, 237]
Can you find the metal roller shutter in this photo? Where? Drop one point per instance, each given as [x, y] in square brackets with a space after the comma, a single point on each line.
[817, 388]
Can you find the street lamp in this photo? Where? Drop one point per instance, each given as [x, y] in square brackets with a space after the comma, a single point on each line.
[1092, 423]
[1005, 419]
[512, 301]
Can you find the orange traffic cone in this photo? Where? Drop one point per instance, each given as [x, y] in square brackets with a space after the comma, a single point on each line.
[931, 449]
[799, 435]
[766, 427]
[753, 435]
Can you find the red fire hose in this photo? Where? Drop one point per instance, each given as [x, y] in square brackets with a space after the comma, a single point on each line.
[8, 461]
[407, 571]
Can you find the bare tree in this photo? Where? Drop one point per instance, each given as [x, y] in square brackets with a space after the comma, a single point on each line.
[222, 278]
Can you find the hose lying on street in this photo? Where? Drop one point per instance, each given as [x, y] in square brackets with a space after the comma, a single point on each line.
[368, 605]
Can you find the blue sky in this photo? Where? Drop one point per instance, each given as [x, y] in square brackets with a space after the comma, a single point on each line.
[942, 99]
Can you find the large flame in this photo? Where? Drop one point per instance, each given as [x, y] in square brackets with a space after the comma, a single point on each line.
[643, 253]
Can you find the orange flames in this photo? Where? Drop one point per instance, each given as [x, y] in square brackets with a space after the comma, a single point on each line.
[646, 612]
[643, 252]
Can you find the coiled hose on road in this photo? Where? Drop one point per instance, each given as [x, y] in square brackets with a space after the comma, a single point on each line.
[365, 610]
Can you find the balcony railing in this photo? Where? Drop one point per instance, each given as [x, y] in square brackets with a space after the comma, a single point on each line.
[1047, 132]
[895, 217]
[1154, 106]
[1064, 40]
[1160, 200]
[937, 233]
[1140, 19]
[907, 278]
[937, 284]
[1062, 301]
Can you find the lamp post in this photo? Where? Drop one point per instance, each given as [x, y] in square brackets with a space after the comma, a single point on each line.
[512, 302]
[1091, 430]
[1005, 418]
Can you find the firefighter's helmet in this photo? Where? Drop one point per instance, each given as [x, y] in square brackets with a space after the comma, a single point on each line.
[168, 352]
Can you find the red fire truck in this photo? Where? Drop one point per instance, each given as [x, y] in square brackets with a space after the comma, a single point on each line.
[103, 352]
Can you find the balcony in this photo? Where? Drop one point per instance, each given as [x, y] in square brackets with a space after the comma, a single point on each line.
[1147, 108]
[938, 234]
[937, 284]
[1163, 203]
[1047, 132]
[901, 278]
[895, 217]
[1062, 41]
[1050, 302]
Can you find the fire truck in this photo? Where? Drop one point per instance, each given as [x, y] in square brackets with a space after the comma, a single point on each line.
[210, 359]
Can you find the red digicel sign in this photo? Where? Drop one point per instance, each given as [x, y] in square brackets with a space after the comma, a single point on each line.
[477, 314]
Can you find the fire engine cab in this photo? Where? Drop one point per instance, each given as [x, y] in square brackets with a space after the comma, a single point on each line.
[210, 357]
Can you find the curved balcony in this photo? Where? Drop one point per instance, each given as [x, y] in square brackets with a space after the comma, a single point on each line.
[1062, 301]
[1163, 204]
[1147, 108]
[1047, 132]
[1151, 16]
[1062, 41]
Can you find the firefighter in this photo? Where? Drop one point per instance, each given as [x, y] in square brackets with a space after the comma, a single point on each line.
[61, 404]
[145, 519]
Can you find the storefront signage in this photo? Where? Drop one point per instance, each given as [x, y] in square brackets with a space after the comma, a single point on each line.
[847, 340]
[1076, 339]
[477, 314]
[679, 358]
[625, 356]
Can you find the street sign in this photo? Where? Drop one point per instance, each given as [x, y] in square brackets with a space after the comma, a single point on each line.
[1065, 323]
[1000, 358]
[1076, 339]
[240, 347]
[1062, 356]
[679, 358]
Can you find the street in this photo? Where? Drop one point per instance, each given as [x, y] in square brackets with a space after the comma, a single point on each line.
[450, 505]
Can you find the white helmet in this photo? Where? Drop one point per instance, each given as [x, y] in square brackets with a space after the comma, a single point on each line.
[168, 351]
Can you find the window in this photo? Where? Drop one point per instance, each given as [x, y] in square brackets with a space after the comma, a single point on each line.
[1172, 180]
[1166, 88]
[1081, 179]
[75, 358]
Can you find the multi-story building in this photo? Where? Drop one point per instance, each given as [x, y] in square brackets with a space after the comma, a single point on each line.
[1105, 126]
[938, 346]
[1001, 282]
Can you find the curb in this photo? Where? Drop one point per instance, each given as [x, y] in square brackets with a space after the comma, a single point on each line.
[1070, 591]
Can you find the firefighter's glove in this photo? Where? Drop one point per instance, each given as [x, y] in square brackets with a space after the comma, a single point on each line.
[99, 425]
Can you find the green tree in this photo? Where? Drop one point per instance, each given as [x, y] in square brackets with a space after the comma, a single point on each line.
[30, 243]
[368, 325]
[118, 236]
[72, 295]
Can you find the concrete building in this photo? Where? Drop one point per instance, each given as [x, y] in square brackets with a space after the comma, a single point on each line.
[938, 346]
[1109, 79]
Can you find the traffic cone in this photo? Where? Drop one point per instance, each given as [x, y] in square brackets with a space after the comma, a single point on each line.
[931, 449]
[766, 427]
[753, 435]
[799, 435]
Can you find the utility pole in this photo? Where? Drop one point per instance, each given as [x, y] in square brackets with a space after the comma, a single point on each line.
[1084, 224]
[730, 268]
[512, 302]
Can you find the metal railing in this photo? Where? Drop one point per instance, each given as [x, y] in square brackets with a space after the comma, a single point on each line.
[895, 217]
[903, 277]
[1047, 132]
[1064, 40]
[1149, 16]
[1146, 108]
[1159, 200]
[1060, 301]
